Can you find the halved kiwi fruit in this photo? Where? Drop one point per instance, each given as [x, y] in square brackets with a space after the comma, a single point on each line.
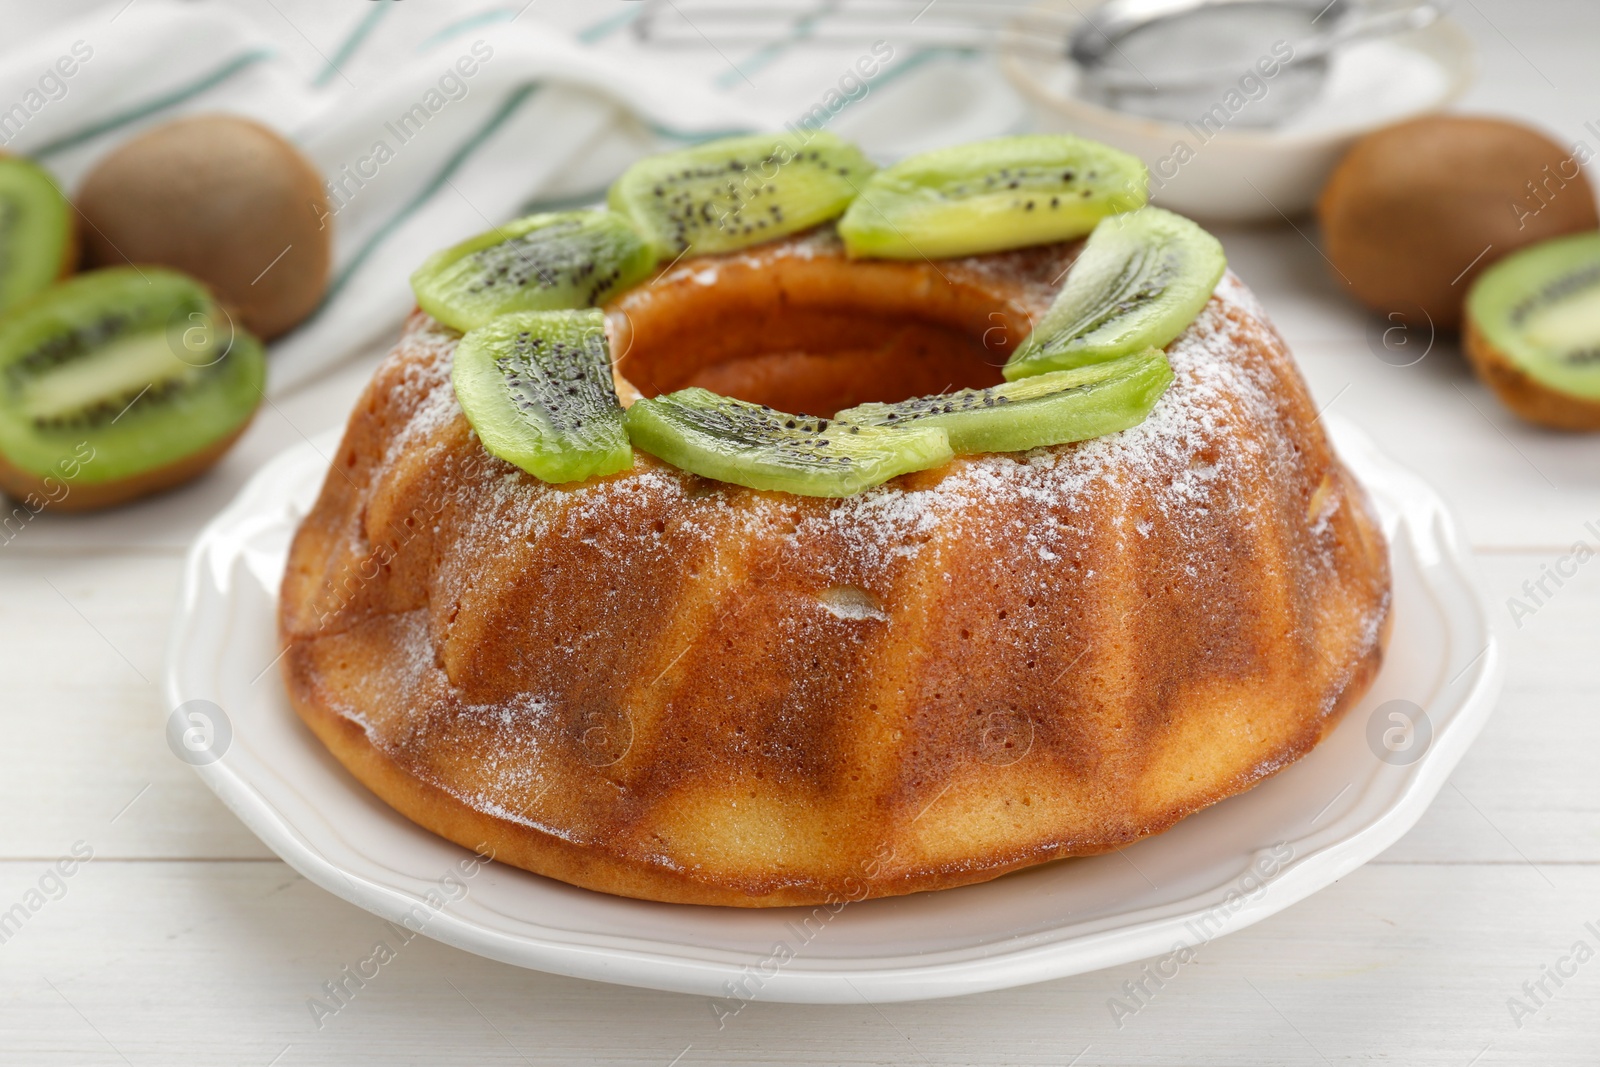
[988, 196]
[118, 383]
[1140, 281]
[569, 259]
[1533, 331]
[38, 241]
[1045, 409]
[537, 387]
[752, 445]
[729, 194]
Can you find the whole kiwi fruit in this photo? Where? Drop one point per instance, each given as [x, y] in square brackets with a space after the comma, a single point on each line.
[1414, 212]
[220, 198]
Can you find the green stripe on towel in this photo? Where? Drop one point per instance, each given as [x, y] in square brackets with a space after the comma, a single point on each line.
[571, 202]
[352, 42]
[770, 51]
[597, 31]
[150, 107]
[455, 29]
[437, 182]
[917, 59]
[607, 26]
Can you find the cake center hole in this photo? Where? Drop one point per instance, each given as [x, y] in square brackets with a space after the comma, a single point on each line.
[815, 336]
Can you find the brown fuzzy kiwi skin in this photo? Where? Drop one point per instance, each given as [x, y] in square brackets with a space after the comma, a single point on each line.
[93, 496]
[220, 198]
[1409, 211]
[72, 253]
[1521, 392]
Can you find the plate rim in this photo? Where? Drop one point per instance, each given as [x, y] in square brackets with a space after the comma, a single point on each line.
[1040, 956]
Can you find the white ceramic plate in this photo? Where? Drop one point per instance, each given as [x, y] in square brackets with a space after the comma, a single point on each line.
[1218, 871]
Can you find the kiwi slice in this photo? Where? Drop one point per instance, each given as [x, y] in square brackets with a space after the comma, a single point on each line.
[1533, 330]
[37, 243]
[1046, 409]
[752, 445]
[988, 196]
[729, 194]
[537, 387]
[569, 259]
[120, 382]
[1140, 281]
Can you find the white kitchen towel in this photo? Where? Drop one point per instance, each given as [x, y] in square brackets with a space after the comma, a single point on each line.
[432, 122]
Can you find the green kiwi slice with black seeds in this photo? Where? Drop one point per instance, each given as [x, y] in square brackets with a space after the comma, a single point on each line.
[740, 191]
[1139, 282]
[754, 446]
[1046, 409]
[132, 377]
[37, 236]
[537, 387]
[568, 259]
[988, 196]
[1533, 331]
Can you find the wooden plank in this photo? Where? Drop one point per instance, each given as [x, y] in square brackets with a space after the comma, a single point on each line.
[84, 638]
[1509, 483]
[216, 963]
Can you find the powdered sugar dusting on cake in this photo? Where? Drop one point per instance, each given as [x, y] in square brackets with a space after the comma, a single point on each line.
[1183, 461]
[428, 380]
[1169, 502]
[1212, 393]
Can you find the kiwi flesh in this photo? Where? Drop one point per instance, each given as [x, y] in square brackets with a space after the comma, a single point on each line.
[1140, 281]
[224, 200]
[1533, 331]
[755, 446]
[1046, 409]
[37, 237]
[537, 387]
[989, 196]
[568, 259]
[729, 194]
[121, 382]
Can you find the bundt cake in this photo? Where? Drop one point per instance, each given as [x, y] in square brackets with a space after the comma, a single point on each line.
[667, 686]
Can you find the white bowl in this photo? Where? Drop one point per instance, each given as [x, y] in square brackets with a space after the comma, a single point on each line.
[1237, 173]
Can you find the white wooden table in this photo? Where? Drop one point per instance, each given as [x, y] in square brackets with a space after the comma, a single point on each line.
[184, 940]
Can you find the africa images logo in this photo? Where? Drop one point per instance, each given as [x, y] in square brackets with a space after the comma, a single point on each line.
[199, 732]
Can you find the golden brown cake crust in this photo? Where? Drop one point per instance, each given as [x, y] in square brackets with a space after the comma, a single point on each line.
[670, 688]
